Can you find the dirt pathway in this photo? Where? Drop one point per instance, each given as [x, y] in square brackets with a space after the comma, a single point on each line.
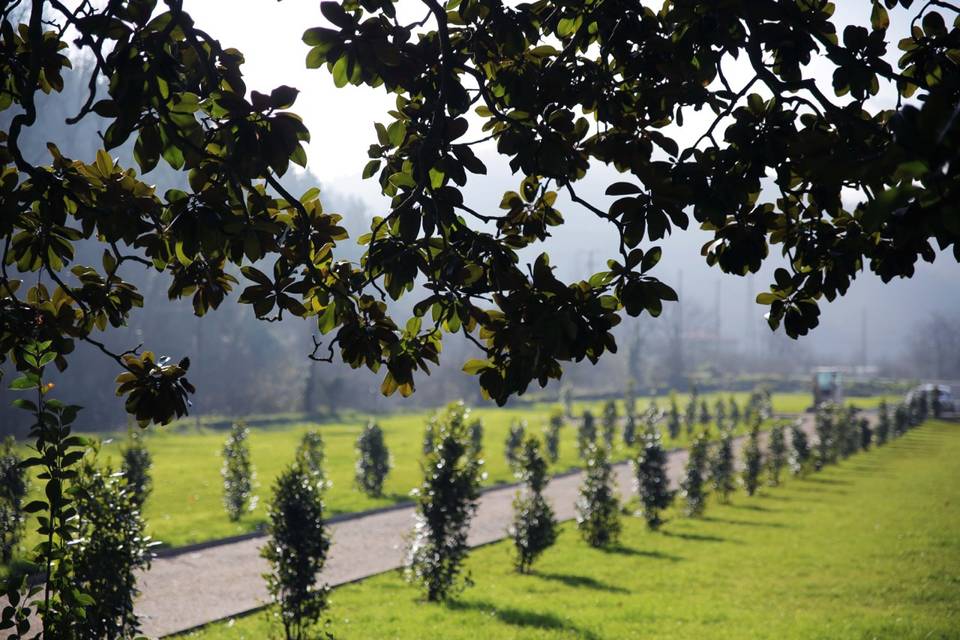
[185, 590]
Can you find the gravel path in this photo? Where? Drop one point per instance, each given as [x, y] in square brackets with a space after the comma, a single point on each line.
[186, 590]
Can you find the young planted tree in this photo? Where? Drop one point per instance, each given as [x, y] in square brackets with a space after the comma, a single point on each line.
[445, 503]
[14, 485]
[630, 430]
[136, 468]
[310, 456]
[238, 474]
[827, 445]
[692, 487]
[901, 420]
[566, 400]
[475, 429]
[720, 410]
[111, 548]
[777, 453]
[373, 460]
[534, 528]
[514, 443]
[690, 413]
[800, 453]
[705, 416]
[551, 435]
[61, 603]
[752, 462]
[598, 508]
[673, 418]
[608, 422]
[650, 478]
[722, 467]
[735, 415]
[630, 398]
[884, 429]
[297, 547]
[586, 434]
[848, 432]
[866, 434]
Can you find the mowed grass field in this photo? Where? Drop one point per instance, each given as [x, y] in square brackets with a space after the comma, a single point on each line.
[869, 548]
[186, 504]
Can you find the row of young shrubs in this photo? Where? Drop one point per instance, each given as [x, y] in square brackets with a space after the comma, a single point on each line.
[448, 497]
[105, 507]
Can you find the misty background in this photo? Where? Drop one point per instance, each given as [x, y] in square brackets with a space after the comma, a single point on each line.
[715, 335]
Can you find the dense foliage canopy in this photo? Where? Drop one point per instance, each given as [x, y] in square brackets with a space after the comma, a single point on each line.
[796, 159]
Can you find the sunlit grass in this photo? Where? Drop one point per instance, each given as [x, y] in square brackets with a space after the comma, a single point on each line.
[186, 506]
[866, 549]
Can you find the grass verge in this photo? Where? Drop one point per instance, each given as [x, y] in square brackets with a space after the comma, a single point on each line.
[869, 548]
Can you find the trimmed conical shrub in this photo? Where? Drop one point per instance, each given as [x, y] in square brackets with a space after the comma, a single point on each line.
[373, 460]
[693, 486]
[598, 508]
[534, 528]
[650, 477]
[752, 462]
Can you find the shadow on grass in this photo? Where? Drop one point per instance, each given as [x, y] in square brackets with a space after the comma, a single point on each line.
[696, 537]
[630, 551]
[755, 507]
[835, 492]
[827, 480]
[744, 523]
[523, 618]
[578, 582]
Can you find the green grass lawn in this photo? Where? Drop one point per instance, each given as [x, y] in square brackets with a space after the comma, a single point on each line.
[186, 506]
[869, 548]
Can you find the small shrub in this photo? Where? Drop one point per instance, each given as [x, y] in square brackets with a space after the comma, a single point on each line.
[475, 429]
[609, 422]
[799, 450]
[705, 416]
[883, 424]
[534, 527]
[14, 485]
[690, 414]
[752, 462]
[673, 418]
[720, 411]
[111, 547]
[297, 550]
[630, 430]
[551, 435]
[866, 434]
[136, 468]
[721, 467]
[311, 455]
[598, 508]
[445, 503]
[735, 415]
[826, 436]
[566, 400]
[777, 451]
[238, 474]
[514, 442]
[848, 432]
[373, 460]
[692, 486]
[429, 435]
[901, 420]
[651, 480]
[586, 434]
